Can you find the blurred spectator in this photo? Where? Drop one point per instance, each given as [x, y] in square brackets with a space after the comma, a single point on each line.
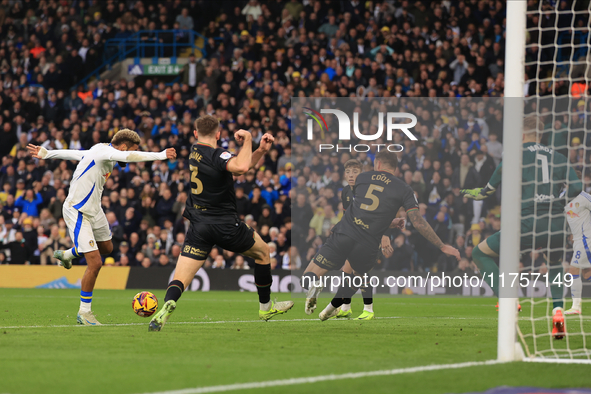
[259, 56]
[20, 252]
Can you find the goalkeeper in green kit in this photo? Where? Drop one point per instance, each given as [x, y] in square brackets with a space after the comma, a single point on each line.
[545, 173]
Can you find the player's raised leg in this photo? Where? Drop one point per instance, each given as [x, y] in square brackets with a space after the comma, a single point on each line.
[331, 256]
[263, 280]
[312, 279]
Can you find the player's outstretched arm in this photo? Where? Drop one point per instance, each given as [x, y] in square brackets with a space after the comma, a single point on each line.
[265, 146]
[137, 156]
[426, 231]
[241, 163]
[481, 193]
[40, 152]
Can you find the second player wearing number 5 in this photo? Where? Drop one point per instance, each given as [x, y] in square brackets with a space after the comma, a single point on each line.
[378, 196]
[211, 209]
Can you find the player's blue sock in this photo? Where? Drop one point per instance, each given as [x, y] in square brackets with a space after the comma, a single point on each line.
[486, 264]
[85, 301]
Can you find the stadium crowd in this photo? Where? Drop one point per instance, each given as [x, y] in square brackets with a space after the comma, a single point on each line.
[260, 54]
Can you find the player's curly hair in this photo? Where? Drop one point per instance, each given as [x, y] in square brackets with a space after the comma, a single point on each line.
[127, 137]
[207, 126]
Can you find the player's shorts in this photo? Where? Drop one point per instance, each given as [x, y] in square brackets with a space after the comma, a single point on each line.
[85, 231]
[549, 233]
[201, 238]
[340, 247]
[581, 254]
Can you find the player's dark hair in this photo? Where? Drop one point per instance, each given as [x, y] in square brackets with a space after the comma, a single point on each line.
[388, 158]
[207, 126]
[353, 163]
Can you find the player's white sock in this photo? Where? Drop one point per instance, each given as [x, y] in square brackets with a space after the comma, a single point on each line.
[576, 291]
[345, 307]
[329, 308]
[85, 301]
[265, 307]
[368, 308]
[69, 254]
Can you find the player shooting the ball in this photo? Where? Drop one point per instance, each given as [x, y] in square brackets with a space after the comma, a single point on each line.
[87, 224]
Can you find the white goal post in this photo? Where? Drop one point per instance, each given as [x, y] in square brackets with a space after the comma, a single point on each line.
[511, 181]
[547, 74]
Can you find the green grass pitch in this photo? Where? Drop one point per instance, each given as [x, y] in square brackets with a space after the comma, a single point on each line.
[215, 339]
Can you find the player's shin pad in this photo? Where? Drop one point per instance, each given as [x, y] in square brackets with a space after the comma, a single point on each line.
[263, 281]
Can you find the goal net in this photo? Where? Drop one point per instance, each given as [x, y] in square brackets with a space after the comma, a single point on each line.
[557, 77]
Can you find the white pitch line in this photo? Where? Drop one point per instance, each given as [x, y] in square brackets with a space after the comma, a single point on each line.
[386, 300]
[324, 378]
[270, 321]
[246, 321]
